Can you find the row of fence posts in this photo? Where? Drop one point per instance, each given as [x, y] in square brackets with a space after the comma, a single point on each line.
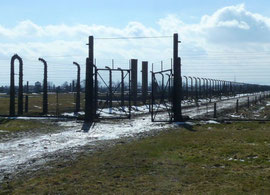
[45, 89]
[134, 86]
[90, 97]
[248, 103]
[45, 92]
[215, 86]
[90, 102]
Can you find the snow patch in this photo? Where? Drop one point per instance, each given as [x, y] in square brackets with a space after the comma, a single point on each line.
[16, 152]
[212, 122]
[236, 159]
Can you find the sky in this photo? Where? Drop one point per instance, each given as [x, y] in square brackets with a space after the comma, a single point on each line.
[223, 39]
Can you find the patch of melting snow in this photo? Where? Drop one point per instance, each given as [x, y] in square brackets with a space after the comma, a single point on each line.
[212, 122]
[68, 123]
[235, 116]
[252, 144]
[252, 157]
[69, 114]
[16, 152]
[236, 159]
[259, 110]
[3, 131]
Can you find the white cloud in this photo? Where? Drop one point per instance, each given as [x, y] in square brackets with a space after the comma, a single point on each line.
[230, 29]
[171, 23]
[234, 24]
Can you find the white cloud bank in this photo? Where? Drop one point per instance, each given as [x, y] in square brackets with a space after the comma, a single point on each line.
[231, 37]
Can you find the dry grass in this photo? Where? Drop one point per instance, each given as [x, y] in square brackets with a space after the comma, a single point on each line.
[216, 159]
[66, 103]
[25, 125]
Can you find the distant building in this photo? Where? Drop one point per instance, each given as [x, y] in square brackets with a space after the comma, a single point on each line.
[37, 88]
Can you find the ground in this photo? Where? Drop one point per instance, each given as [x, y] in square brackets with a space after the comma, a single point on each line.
[214, 158]
[198, 158]
[11, 129]
[66, 103]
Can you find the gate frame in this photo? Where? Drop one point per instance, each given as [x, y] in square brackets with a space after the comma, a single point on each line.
[110, 70]
[168, 86]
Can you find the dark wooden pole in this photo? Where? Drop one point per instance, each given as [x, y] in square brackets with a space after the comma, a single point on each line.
[134, 80]
[144, 81]
[177, 82]
[89, 96]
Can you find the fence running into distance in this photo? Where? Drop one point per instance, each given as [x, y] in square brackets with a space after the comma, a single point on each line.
[114, 93]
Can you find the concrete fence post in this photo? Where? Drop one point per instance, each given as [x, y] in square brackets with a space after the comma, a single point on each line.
[26, 98]
[12, 87]
[215, 110]
[177, 83]
[237, 105]
[134, 80]
[78, 87]
[45, 87]
[90, 111]
[144, 81]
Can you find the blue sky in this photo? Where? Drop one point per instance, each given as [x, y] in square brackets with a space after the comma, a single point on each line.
[222, 39]
[115, 12]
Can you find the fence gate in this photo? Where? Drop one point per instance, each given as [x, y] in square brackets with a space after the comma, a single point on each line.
[161, 104]
[112, 97]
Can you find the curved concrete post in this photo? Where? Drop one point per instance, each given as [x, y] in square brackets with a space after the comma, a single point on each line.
[213, 87]
[200, 88]
[191, 85]
[78, 87]
[204, 87]
[196, 88]
[45, 86]
[186, 86]
[12, 87]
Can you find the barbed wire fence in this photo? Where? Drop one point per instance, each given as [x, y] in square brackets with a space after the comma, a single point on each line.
[210, 81]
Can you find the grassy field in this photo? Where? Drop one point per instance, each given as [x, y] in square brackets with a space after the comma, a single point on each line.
[66, 103]
[12, 129]
[24, 125]
[214, 158]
